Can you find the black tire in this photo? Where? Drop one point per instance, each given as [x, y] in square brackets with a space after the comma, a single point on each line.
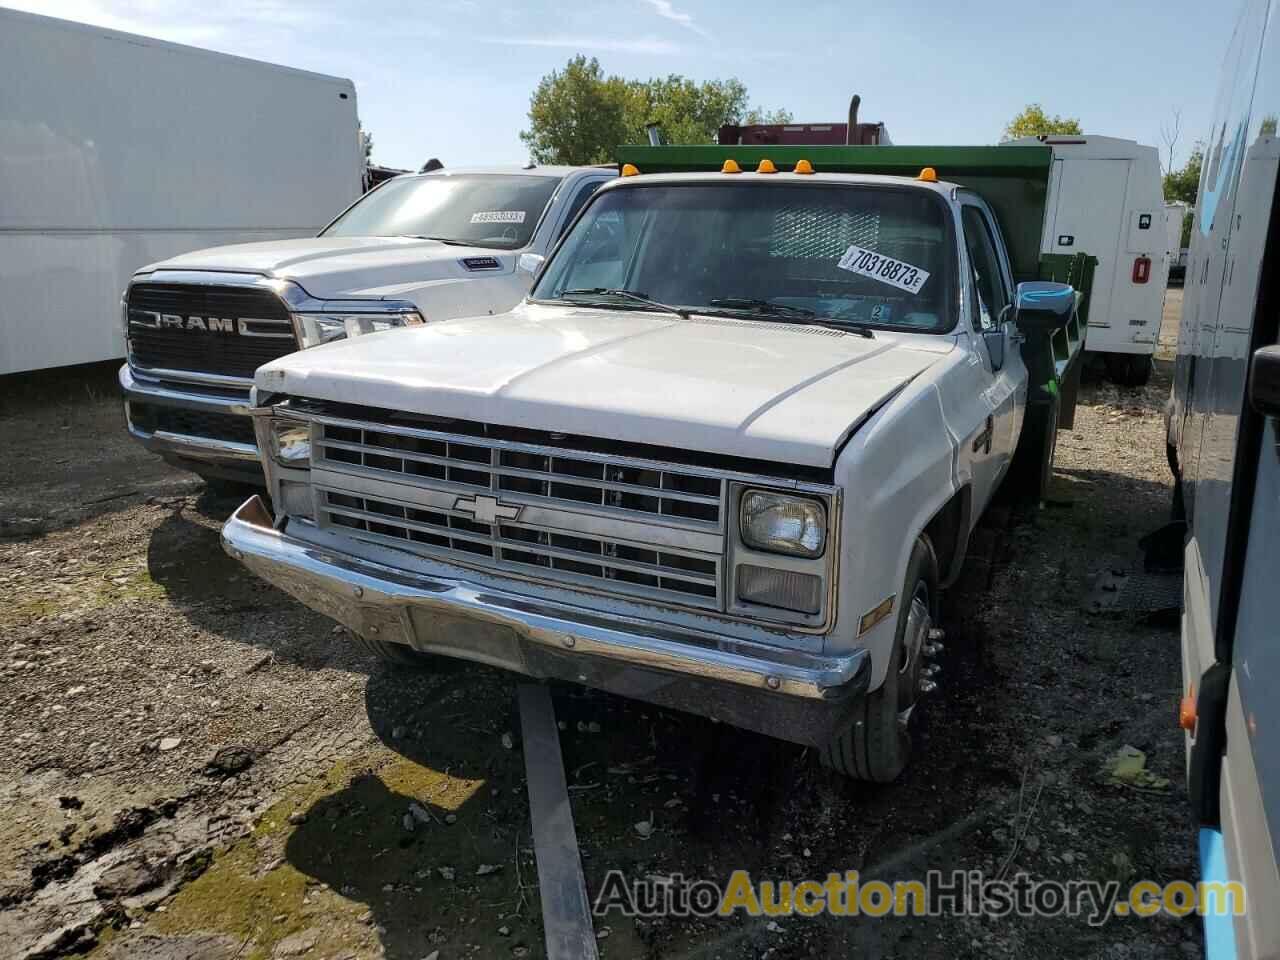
[398, 654]
[876, 745]
[1129, 370]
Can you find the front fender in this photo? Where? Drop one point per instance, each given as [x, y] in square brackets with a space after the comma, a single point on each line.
[897, 472]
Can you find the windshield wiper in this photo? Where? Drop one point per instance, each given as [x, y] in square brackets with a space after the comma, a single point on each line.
[762, 306]
[781, 313]
[449, 240]
[626, 295]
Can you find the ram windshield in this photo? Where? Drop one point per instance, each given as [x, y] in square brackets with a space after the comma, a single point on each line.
[479, 210]
[865, 255]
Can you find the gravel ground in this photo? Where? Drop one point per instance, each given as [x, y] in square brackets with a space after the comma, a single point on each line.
[196, 766]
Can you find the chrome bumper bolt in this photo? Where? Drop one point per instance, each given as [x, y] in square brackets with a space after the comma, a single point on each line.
[773, 683]
[568, 641]
[358, 591]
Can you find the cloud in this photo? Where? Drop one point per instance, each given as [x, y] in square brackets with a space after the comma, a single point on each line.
[646, 45]
[664, 9]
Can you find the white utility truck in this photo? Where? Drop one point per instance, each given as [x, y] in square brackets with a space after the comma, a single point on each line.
[416, 249]
[723, 458]
[1105, 196]
[118, 150]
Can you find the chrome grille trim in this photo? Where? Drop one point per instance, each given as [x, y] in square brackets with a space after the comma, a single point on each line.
[618, 566]
[610, 523]
[594, 545]
[484, 466]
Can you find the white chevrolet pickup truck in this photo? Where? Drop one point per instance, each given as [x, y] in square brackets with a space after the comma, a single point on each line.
[723, 458]
[417, 249]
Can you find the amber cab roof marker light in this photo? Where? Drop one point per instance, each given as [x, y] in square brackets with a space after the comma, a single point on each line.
[731, 166]
[928, 175]
[803, 166]
[629, 170]
[766, 166]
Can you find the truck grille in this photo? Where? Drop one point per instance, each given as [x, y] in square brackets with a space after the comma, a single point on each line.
[165, 321]
[608, 522]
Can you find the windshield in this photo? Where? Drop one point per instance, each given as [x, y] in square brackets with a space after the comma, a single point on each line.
[482, 210]
[863, 255]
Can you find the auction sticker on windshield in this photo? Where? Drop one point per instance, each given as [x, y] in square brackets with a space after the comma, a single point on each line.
[498, 216]
[896, 273]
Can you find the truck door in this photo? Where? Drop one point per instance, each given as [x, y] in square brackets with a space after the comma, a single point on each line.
[1003, 376]
[1088, 217]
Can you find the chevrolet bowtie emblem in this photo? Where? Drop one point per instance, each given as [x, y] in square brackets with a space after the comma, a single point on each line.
[486, 509]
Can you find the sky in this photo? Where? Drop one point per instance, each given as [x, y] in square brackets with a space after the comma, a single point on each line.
[452, 78]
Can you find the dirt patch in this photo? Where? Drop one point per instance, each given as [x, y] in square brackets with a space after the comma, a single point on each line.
[198, 766]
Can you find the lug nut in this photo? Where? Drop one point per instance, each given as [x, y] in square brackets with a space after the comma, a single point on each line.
[937, 633]
[933, 649]
[373, 628]
[932, 670]
[927, 686]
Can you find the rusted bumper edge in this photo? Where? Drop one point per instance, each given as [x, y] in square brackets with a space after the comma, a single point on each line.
[786, 694]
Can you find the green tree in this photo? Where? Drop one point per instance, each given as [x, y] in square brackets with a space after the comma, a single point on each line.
[1182, 184]
[1032, 121]
[576, 115]
[579, 115]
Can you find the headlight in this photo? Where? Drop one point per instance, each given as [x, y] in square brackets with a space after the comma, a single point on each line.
[317, 328]
[779, 523]
[291, 443]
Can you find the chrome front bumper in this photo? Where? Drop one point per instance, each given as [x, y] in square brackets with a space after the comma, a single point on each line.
[204, 454]
[786, 694]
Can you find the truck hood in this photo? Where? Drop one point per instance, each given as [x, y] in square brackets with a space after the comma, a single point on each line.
[342, 267]
[742, 388]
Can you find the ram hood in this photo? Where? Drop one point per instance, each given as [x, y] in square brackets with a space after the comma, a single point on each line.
[767, 391]
[342, 267]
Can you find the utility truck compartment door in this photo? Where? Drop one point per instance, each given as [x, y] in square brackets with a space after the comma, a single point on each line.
[1089, 193]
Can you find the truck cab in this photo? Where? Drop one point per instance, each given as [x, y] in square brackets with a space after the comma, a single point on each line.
[724, 457]
[415, 250]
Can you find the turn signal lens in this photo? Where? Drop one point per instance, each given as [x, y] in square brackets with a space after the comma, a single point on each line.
[785, 589]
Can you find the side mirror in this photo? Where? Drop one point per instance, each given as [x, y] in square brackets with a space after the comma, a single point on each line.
[1042, 306]
[530, 263]
[1264, 381]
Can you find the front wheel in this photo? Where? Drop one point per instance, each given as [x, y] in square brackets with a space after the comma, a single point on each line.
[877, 745]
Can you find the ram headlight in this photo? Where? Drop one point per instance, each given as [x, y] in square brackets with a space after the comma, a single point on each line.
[291, 443]
[781, 523]
[325, 327]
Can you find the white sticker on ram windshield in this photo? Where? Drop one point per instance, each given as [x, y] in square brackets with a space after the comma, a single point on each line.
[498, 216]
[896, 273]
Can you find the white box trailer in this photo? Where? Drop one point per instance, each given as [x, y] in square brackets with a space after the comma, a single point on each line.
[1105, 196]
[118, 150]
